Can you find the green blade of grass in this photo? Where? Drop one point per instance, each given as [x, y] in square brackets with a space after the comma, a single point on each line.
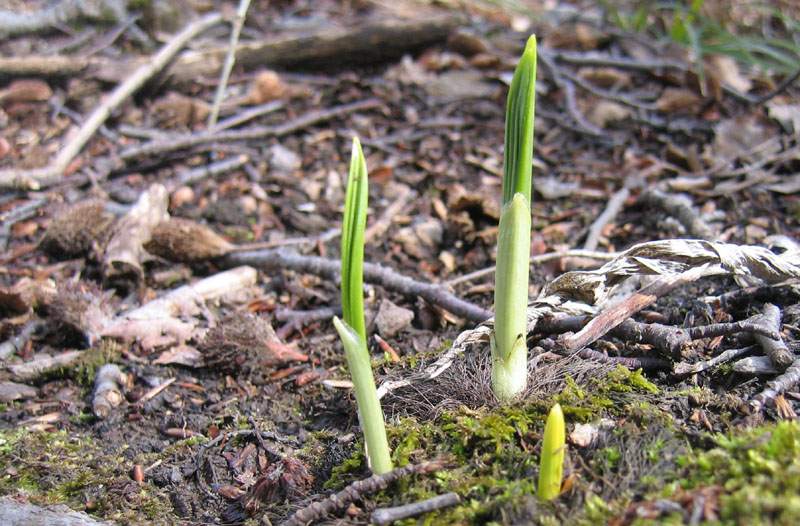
[353, 225]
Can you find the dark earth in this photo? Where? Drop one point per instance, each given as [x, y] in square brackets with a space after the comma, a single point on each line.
[233, 406]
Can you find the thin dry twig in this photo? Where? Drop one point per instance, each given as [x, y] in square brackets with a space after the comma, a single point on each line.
[536, 260]
[230, 58]
[682, 369]
[186, 141]
[383, 276]
[414, 509]
[35, 179]
[776, 387]
[611, 211]
[357, 490]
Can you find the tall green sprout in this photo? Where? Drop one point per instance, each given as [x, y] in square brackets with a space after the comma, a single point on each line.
[352, 330]
[509, 347]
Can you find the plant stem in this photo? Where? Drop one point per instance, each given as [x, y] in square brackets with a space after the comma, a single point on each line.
[369, 407]
[509, 348]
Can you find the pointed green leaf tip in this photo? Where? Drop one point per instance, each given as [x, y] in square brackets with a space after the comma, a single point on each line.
[551, 466]
[353, 225]
[518, 154]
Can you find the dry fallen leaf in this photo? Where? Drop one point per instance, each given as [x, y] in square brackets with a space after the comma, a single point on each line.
[677, 100]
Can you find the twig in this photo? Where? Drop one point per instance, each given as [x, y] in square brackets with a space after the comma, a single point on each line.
[569, 92]
[194, 175]
[152, 393]
[611, 211]
[383, 276]
[606, 94]
[778, 386]
[681, 208]
[388, 515]
[788, 81]
[682, 369]
[183, 142]
[750, 325]
[536, 260]
[16, 215]
[380, 226]
[357, 490]
[35, 179]
[774, 348]
[230, 58]
[584, 59]
[25, 372]
[17, 343]
[247, 115]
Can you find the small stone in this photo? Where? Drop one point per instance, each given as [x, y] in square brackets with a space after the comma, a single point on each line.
[391, 318]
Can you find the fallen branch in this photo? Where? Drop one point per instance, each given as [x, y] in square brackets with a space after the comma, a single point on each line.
[35, 179]
[358, 490]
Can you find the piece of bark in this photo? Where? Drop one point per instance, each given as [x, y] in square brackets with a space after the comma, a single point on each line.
[16, 513]
[107, 391]
[121, 261]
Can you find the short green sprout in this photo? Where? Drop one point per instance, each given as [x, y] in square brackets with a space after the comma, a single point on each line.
[352, 330]
[551, 465]
[509, 347]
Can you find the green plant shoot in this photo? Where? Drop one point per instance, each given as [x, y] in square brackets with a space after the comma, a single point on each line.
[509, 347]
[369, 407]
[551, 465]
[520, 111]
[352, 330]
[353, 225]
